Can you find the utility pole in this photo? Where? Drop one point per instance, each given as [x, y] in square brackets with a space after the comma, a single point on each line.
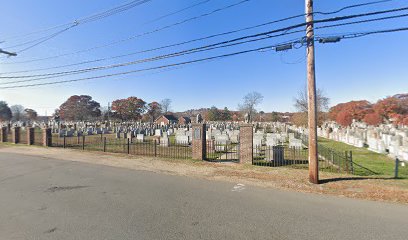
[311, 92]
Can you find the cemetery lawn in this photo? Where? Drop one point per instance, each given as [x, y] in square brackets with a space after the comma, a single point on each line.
[376, 162]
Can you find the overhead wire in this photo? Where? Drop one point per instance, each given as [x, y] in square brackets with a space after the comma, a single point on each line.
[211, 45]
[356, 35]
[82, 20]
[175, 24]
[139, 35]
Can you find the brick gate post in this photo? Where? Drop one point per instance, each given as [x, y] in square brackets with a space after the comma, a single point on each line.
[30, 136]
[47, 137]
[15, 135]
[199, 146]
[246, 134]
[3, 134]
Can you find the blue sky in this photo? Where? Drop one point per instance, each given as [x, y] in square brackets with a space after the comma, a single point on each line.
[369, 68]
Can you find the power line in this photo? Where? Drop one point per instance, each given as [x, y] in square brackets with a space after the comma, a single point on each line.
[139, 35]
[195, 49]
[223, 44]
[129, 54]
[178, 11]
[146, 69]
[83, 20]
[143, 34]
[78, 22]
[349, 36]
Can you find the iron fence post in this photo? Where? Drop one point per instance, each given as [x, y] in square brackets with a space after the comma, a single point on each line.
[64, 143]
[351, 162]
[347, 167]
[155, 148]
[83, 142]
[104, 144]
[128, 146]
[396, 167]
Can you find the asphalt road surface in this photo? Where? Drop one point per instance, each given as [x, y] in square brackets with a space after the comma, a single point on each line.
[54, 199]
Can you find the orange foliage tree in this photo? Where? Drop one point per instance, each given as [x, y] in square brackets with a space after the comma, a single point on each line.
[130, 108]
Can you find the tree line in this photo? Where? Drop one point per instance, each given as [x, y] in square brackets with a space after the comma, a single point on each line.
[392, 109]
[83, 107]
[16, 112]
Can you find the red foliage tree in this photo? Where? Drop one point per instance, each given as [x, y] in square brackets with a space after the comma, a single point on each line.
[388, 107]
[79, 107]
[346, 112]
[373, 118]
[344, 118]
[154, 109]
[130, 108]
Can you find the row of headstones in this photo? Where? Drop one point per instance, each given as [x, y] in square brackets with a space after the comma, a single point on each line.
[385, 139]
[74, 133]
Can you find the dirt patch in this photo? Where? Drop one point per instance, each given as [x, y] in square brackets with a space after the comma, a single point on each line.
[379, 189]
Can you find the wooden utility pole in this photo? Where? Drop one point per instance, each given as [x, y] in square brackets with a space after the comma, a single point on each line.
[311, 92]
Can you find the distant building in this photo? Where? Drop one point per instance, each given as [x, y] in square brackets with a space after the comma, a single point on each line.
[166, 119]
[184, 120]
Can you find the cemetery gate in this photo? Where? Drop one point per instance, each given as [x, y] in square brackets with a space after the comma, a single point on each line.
[223, 148]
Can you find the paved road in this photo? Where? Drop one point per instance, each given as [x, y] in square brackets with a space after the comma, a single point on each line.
[53, 199]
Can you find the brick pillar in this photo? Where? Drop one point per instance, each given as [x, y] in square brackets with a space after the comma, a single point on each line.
[3, 134]
[15, 134]
[30, 136]
[47, 137]
[199, 146]
[246, 134]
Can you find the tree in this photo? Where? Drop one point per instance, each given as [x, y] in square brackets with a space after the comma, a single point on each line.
[357, 109]
[373, 118]
[301, 105]
[154, 110]
[251, 101]
[299, 119]
[30, 114]
[5, 112]
[80, 108]
[344, 118]
[226, 115]
[388, 107]
[275, 117]
[130, 108]
[18, 112]
[301, 101]
[213, 114]
[165, 105]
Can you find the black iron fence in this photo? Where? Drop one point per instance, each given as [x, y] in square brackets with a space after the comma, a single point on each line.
[154, 148]
[276, 156]
[222, 151]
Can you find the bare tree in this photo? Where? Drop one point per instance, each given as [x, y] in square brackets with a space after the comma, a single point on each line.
[301, 105]
[251, 101]
[18, 112]
[165, 105]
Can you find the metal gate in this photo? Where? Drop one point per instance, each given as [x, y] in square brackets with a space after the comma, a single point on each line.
[225, 151]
